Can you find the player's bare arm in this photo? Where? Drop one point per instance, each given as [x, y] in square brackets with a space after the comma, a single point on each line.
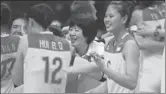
[129, 80]
[149, 44]
[18, 79]
[83, 66]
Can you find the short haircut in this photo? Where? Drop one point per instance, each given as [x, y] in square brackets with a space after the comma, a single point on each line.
[18, 15]
[83, 14]
[42, 13]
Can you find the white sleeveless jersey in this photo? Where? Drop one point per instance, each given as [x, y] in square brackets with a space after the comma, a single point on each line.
[114, 59]
[45, 60]
[10, 56]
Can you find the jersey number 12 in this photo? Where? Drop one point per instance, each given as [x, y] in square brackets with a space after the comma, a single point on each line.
[53, 74]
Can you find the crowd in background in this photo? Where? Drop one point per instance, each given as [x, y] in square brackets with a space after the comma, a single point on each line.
[89, 26]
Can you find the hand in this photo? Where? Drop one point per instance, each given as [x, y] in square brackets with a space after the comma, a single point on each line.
[98, 59]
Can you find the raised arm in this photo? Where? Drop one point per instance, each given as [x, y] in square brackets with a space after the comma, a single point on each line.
[149, 44]
[145, 34]
[18, 70]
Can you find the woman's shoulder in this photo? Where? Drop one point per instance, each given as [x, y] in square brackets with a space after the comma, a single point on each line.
[127, 39]
[129, 42]
[130, 47]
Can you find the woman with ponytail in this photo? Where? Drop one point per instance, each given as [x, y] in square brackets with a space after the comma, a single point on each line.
[121, 56]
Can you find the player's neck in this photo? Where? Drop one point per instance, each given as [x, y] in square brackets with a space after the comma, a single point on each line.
[119, 34]
[82, 49]
[36, 27]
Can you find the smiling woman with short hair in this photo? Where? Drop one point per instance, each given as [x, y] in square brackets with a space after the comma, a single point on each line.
[82, 32]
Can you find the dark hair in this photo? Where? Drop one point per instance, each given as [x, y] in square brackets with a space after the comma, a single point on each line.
[19, 15]
[125, 8]
[56, 31]
[62, 11]
[82, 15]
[89, 30]
[42, 14]
[100, 7]
[100, 25]
[5, 13]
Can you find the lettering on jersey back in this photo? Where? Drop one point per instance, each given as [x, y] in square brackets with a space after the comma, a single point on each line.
[47, 56]
[49, 42]
[9, 44]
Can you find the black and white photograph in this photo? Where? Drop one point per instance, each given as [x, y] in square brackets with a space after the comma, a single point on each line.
[83, 46]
